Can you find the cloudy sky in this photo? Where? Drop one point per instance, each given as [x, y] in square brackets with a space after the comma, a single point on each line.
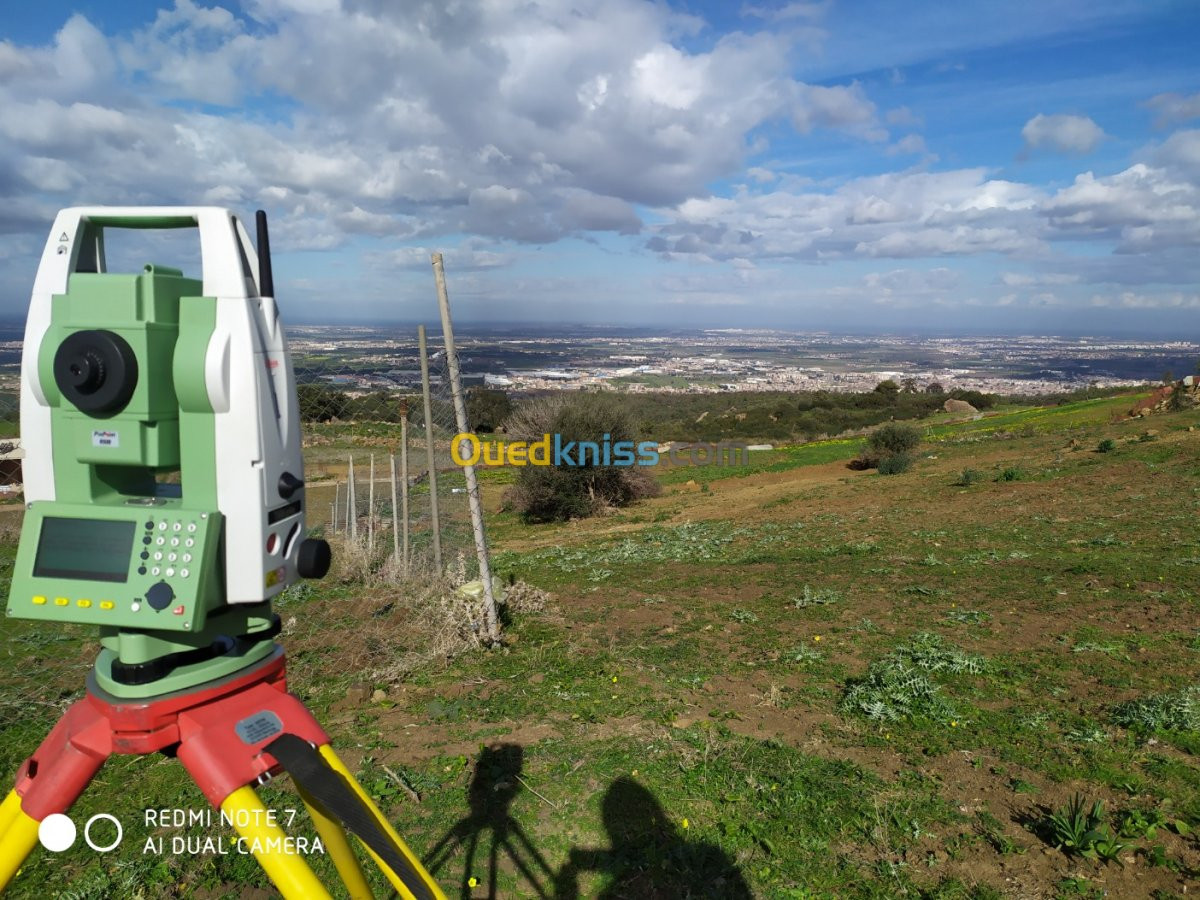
[1025, 166]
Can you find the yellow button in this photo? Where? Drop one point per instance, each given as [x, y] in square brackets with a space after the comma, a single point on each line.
[107, 604]
[39, 600]
[61, 601]
[83, 603]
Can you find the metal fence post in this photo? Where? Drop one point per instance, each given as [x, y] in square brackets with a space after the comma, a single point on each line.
[430, 452]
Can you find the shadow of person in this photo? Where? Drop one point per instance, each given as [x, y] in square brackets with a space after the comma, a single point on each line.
[649, 858]
[494, 786]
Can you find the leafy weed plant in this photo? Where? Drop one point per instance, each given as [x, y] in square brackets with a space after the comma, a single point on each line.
[1173, 711]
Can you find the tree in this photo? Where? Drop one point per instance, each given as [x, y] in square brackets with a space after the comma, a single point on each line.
[1168, 377]
[887, 387]
[909, 385]
[1178, 398]
[487, 409]
[934, 387]
[320, 404]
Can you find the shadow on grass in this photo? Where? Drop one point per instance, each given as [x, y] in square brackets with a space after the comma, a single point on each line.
[647, 857]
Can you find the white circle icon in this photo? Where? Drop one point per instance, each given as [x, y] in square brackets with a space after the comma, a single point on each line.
[56, 832]
[87, 832]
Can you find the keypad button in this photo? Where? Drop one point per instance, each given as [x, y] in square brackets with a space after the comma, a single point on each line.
[191, 526]
[61, 601]
[83, 604]
[39, 601]
[134, 606]
[161, 541]
[178, 526]
[158, 556]
[107, 604]
[141, 570]
[156, 570]
[162, 526]
[183, 573]
[189, 543]
[174, 542]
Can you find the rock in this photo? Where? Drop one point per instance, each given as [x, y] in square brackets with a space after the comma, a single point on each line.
[379, 696]
[961, 407]
[356, 695]
[537, 678]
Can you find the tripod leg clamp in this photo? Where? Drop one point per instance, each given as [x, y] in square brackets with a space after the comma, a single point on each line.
[340, 798]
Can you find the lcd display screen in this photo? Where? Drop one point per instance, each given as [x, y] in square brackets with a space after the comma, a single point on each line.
[87, 549]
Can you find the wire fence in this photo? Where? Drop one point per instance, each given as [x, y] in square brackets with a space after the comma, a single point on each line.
[378, 476]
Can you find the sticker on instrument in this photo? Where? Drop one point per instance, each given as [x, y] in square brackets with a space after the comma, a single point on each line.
[257, 728]
[101, 438]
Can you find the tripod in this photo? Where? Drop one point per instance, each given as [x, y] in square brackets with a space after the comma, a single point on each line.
[229, 734]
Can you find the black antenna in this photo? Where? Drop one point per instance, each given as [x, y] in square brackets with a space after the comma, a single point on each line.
[266, 281]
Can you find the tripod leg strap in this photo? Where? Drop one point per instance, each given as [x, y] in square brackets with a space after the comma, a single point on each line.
[338, 798]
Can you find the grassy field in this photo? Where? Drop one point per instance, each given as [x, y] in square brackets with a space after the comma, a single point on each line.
[792, 680]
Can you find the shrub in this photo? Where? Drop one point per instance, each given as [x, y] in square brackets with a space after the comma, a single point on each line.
[895, 464]
[968, 477]
[892, 438]
[557, 493]
[1108, 445]
[1012, 473]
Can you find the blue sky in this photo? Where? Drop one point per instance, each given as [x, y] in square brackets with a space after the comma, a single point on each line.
[867, 165]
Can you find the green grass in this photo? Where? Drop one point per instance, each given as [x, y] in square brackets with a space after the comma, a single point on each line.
[867, 688]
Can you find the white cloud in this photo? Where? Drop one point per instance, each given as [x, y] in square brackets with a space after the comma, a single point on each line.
[1172, 107]
[1063, 133]
[1134, 300]
[900, 215]
[1142, 209]
[528, 123]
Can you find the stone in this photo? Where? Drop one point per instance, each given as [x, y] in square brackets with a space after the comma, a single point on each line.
[961, 407]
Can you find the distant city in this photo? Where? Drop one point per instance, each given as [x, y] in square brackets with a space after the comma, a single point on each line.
[361, 359]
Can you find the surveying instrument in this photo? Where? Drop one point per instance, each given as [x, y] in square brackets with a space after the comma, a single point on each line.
[165, 506]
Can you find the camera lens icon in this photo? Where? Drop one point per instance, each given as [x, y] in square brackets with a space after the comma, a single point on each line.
[96, 370]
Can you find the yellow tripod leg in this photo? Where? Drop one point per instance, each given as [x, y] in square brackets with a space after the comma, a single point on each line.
[8, 810]
[19, 837]
[289, 872]
[337, 846]
[405, 894]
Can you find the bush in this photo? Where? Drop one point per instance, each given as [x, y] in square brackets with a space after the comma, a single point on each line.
[1012, 473]
[1108, 445]
[895, 464]
[893, 438]
[969, 477]
[557, 493]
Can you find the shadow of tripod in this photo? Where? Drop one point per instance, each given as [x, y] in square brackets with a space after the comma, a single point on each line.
[493, 787]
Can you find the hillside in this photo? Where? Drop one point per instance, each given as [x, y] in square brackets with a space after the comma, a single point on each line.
[806, 680]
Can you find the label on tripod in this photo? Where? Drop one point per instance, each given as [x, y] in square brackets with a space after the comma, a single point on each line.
[258, 727]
